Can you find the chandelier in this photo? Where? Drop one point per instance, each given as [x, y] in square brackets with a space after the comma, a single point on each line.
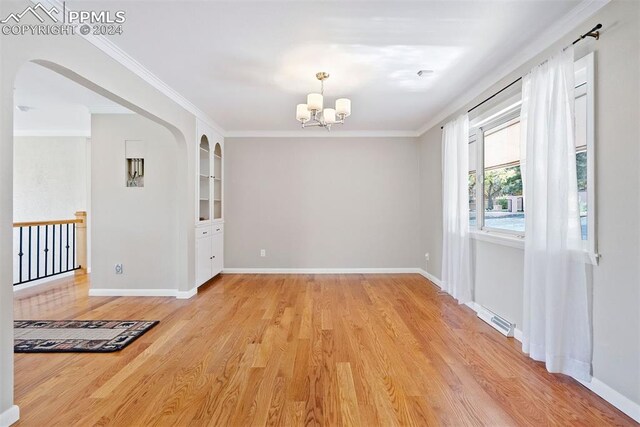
[313, 114]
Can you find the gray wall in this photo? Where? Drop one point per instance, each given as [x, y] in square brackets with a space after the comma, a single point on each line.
[430, 154]
[134, 226]
[616, 281]
[322, 202]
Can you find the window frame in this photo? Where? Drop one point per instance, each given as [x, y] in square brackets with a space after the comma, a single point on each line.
[509, 110]
[502, 119]
[587, 63]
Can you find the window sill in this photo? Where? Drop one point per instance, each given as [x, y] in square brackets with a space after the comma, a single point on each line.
[518, 243]
[498, 238]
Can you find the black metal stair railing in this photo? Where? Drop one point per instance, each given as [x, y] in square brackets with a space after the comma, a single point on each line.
[44, 249]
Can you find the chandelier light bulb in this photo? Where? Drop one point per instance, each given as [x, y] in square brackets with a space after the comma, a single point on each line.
[329, 115]
[314, 102]
[302, 113]
[343, 107]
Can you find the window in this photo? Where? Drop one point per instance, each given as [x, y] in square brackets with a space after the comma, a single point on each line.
[497, 203]
[585, 150]
[496, 200]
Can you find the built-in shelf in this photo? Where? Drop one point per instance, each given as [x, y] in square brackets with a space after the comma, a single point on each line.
[204, 171]
[209, 248]
[217, 181]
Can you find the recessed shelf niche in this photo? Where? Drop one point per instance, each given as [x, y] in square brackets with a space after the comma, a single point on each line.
[134, 163]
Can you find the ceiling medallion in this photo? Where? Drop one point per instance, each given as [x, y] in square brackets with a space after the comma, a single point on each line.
[312, 114]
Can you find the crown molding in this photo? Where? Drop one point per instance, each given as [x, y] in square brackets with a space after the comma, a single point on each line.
[108, 47]
[311, 134]
[554, 33]
[122, 57]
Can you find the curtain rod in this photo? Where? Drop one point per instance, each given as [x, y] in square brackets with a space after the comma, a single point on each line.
[591, 33]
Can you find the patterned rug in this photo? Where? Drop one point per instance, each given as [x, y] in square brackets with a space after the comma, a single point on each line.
[71, 336]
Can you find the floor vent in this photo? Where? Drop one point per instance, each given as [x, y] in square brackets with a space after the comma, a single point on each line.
[502, 325]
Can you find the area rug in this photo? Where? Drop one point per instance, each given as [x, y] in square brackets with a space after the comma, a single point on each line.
[71, 336]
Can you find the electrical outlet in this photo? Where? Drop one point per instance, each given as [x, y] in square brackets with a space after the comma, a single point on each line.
[426, 256]
[118, 268]
[263, 252]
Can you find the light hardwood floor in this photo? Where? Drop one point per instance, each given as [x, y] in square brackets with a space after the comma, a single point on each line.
[327, 350]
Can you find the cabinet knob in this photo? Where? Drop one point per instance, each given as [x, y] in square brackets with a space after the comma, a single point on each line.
[217, 229]
[204, 232]
[213, 257]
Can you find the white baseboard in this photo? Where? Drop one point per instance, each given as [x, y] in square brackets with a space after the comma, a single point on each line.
[618, 400]
[43, 281]
[473, 305]
[517, 334]
[142, 293]
[9, 416]
[187, 294]
[321, 270]
[615, 398]
[433, 279]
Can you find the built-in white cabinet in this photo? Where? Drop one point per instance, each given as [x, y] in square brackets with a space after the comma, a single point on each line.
[204, 252]
[209, 252]
[209, 221]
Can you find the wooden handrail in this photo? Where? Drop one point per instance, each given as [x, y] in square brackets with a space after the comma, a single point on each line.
[51, 222]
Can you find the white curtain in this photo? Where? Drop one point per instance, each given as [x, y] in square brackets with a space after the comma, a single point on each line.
[556, 326]
[456, 277]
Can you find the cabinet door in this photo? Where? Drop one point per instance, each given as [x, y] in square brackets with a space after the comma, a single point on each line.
[204, 247]
[218, 254]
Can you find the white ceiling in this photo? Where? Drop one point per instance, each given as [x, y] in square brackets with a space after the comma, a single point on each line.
[56, 105]
[247, 64]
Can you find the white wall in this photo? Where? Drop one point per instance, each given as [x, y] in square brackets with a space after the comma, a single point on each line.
[62, 120]
[50, 182]
[50, 177]
[74, 57]
[616, 281]
[137, 227]
[321, 202]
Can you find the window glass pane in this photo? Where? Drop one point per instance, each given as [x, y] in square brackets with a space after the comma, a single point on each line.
[503, 200]
[581, 166]
[581, 157]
